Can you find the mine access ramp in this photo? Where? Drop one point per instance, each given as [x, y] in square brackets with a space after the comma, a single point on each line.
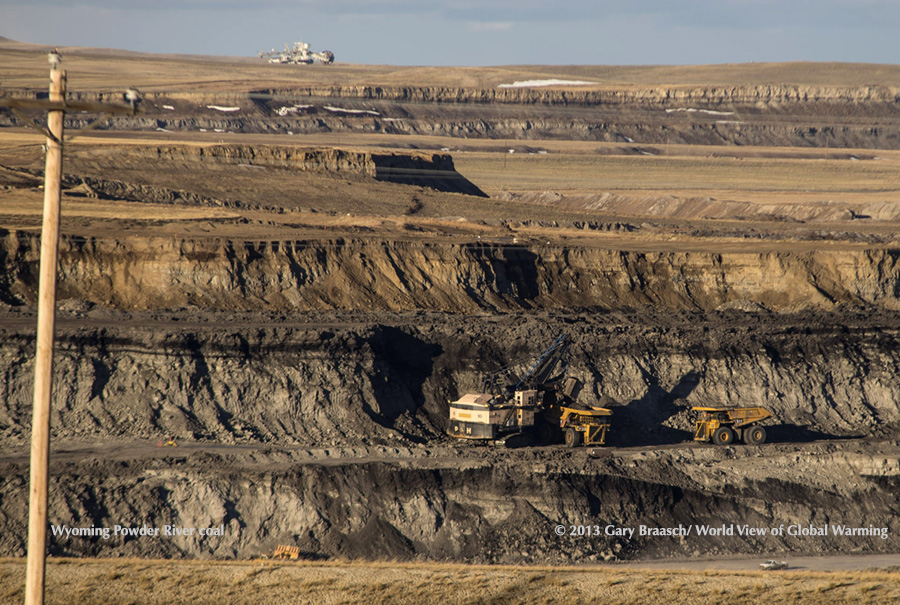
[724, 425]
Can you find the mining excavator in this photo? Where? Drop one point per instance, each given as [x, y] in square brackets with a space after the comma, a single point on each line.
[538, 404]
[299, 53]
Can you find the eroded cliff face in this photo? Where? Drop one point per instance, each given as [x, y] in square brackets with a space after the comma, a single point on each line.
[358, 466]
[496, 509]
[765, 114]
[433, 170]
[365, 163]
[317, 416]
[319, 378]
[342, 273]
[659, 95]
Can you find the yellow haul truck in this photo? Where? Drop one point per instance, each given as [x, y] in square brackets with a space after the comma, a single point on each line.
[587, 426]
[538, 404]
[723, 425]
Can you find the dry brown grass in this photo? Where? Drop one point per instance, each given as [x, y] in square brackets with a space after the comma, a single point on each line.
[573, 167]
[25, 65]
[142, 581]
[370, 209]
[755, 179]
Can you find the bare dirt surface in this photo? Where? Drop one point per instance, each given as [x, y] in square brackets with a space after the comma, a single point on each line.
[837, 563]
[297, 310]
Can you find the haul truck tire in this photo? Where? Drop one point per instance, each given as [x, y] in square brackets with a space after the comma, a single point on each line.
[755, 435]
[573, 438]
[723, 436]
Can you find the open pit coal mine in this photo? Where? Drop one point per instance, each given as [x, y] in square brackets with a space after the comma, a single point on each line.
[778, 115]
[858, 117]
[307, 386]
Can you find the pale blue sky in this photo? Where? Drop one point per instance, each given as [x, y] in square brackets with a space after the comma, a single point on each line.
[469, 32]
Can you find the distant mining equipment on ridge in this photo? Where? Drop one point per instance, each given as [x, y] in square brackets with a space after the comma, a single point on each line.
[299, 53]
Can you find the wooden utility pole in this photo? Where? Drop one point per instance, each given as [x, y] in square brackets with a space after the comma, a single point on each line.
[43, 358]
[56, 105]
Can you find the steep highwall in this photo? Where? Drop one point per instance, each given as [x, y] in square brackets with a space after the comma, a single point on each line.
[354, 406]
[357, 274]
[499, 510]
[434, 170]
[767, 114]
[365, 163]
[321, 379]
[610, 95]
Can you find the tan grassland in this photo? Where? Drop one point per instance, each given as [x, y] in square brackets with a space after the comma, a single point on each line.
[101, 68]
[744, 177]
[154, 581]
[726, 180]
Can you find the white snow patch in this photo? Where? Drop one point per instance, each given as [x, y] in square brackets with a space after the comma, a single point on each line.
[284, 111]
[357, 111]
[709, 111]
[169, 107]
[202, 130]
[220, 108]
[551, 82]
[163, 129]
[218, 130]
[629, 139]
